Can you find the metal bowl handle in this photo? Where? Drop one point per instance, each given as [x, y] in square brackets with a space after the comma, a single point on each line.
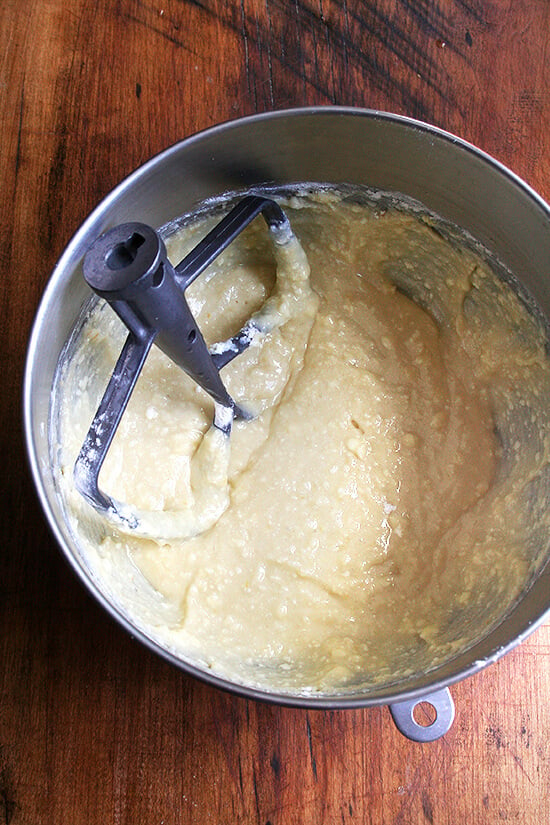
[403, 716]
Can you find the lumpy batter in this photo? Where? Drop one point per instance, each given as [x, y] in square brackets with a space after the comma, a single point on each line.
[386, 504]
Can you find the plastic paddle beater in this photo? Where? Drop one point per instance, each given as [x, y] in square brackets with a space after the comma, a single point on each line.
[128, 266]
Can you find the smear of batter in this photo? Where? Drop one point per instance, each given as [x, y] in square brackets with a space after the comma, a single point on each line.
[386, 505]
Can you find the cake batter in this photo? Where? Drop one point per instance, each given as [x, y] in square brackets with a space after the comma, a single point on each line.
[375, 516]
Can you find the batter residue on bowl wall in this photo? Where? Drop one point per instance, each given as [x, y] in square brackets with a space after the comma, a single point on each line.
[386, 505]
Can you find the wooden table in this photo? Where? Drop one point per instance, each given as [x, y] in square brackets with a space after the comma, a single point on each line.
[94, 728]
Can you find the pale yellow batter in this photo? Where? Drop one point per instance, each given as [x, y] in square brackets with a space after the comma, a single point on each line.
[385, 506]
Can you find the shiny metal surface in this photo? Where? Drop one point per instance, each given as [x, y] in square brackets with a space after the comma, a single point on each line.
[323, 145]
[403, 715]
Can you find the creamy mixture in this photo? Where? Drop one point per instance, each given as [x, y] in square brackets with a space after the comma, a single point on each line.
[386, 504]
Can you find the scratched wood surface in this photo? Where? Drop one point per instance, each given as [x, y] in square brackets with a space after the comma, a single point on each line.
[93, 728]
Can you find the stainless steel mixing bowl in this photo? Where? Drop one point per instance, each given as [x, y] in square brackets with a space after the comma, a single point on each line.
[322, 145]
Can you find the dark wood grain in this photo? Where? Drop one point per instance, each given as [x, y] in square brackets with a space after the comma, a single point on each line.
[94, 728]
